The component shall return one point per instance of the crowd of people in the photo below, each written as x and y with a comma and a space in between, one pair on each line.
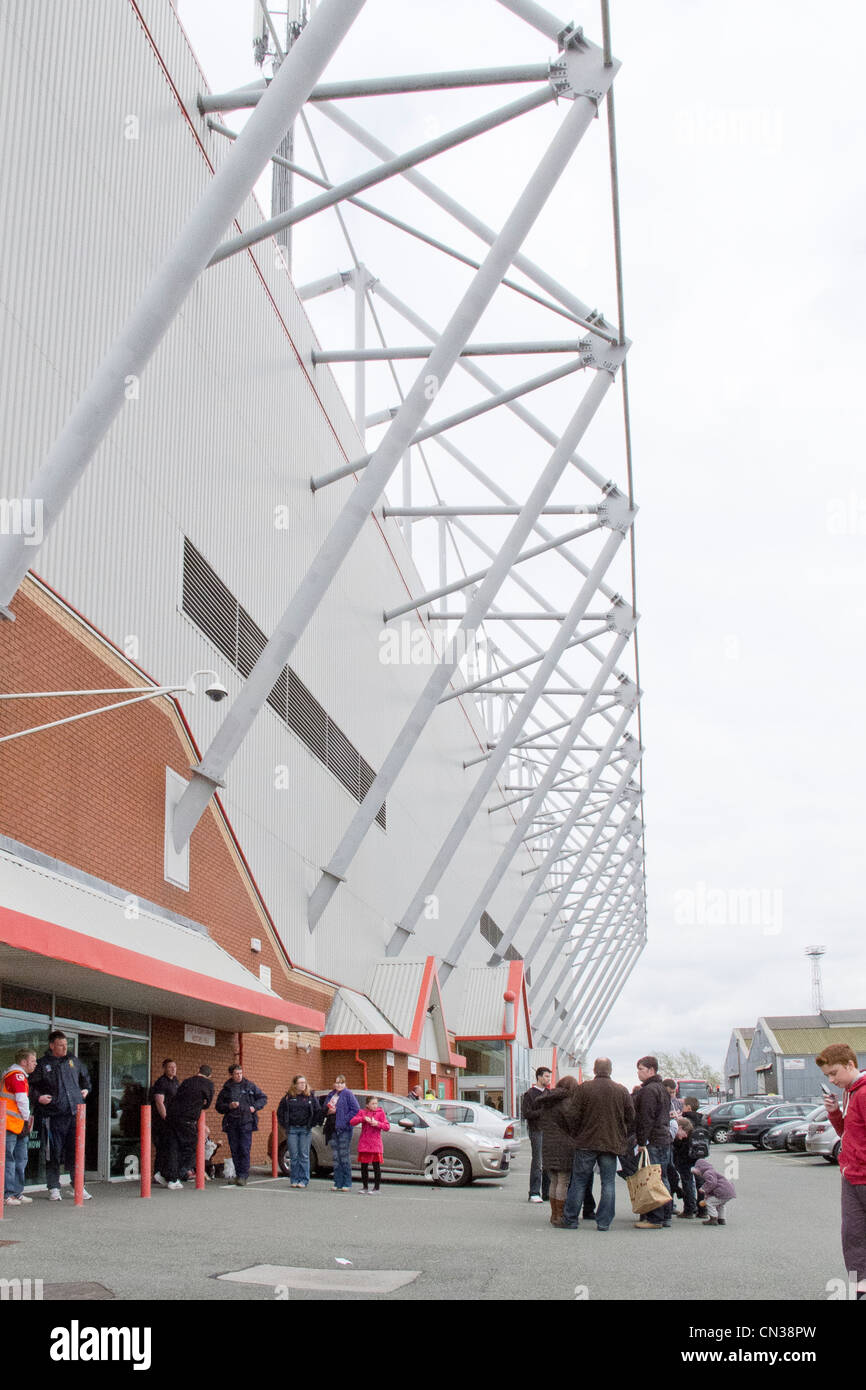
576, 1129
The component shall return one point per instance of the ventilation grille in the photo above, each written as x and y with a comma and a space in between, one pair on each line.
491, 933
215, 610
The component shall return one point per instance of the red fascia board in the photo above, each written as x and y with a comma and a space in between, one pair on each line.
423, 1001
371, 1042
38, 937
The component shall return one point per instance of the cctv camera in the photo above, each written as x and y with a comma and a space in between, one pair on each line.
216, 692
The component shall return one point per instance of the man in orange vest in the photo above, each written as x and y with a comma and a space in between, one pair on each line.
15, 1090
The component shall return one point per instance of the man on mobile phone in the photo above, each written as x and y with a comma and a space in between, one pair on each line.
838, 1062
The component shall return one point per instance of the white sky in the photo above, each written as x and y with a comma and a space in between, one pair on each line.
740, 134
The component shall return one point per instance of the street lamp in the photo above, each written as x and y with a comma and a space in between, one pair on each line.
215, 691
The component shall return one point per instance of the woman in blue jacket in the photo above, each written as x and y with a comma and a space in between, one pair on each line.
298, 1112
340, 1105
239, 1102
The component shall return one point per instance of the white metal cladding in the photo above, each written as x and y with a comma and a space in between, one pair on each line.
474, 1000
224, 412
352, 1012
223, 433
395, 987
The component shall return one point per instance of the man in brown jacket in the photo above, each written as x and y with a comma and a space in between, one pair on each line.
600, 1121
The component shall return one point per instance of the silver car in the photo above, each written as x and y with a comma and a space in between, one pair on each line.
821, 1138
470, 1114
422, 1143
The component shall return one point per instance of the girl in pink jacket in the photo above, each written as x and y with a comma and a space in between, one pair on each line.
373, 1122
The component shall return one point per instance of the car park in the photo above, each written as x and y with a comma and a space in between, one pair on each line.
471, 1114
821, 1138
719, 1119
421, 1143
753, 1128
789, 1136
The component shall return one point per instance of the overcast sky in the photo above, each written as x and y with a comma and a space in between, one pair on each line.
740, 134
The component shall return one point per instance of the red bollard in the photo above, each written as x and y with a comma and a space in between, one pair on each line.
3, 1158
275, 1144
78, 1181
146, 1156
199, 1152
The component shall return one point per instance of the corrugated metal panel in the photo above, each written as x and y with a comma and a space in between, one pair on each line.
795, 1042
483, 1007
395, 986
352, 1012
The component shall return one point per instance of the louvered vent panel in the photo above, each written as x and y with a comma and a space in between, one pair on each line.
209, 603
306, 717
215, 610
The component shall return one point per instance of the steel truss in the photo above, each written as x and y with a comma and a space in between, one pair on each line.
574, 822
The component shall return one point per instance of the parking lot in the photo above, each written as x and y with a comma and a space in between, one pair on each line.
416, 1241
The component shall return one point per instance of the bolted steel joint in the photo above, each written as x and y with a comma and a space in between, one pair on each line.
579, 70
615, 512
628, 694
631, 749
603, 355
621, 618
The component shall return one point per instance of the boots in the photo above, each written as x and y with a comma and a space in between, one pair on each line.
556, 1210
711, 1221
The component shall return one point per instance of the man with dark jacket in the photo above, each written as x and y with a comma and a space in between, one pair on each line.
599, 1120
653, 1132
539, 1176
239, 1102
688, 1148
193, 1096
162, 1092
58, 1086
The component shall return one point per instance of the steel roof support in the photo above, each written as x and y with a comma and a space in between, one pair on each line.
458, 418
241, 98
632, 947
568, 825
537, 16
485, 681
398, 164
406, 354
452, 956
140, 336
596, 1022
488, 774
363, 498
611, 935
442, 673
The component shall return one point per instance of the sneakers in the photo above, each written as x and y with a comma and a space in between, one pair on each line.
536, 1198
88, 1196
686, 1215
176, 1186
365, 1191
54, 1194
159, 1180
13, 1201
23, 1199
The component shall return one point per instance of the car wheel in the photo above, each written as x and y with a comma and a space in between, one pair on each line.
314, 1163
452, 1168
762, 1143
834, 1156
721, 1136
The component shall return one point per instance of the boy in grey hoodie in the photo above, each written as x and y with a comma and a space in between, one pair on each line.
715, 1190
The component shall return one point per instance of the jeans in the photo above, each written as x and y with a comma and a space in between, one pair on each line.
58, 1139
582, 1169
299, 1138
660, 1153
690, 1192
539, 1178
342, 1146
240, 1139
854, 1228
16, 1162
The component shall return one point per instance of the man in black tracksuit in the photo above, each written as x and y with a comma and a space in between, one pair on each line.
239, 1102
652, 1107
58, 1086
162, 1092
193, 1096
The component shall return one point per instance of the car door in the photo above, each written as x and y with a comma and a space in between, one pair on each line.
403, 1149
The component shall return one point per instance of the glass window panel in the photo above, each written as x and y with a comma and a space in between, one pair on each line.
28, 1001
129, 1085
82, 1011
483, 1057
15, 1033
130, 1022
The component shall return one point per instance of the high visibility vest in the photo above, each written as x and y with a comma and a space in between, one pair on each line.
14, 1122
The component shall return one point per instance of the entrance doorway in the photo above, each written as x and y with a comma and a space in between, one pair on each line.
92, 1051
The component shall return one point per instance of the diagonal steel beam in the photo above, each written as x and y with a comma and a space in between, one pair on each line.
609, 925
143, 331
240, 98
442, 673
363, 498
489, 772
398, 164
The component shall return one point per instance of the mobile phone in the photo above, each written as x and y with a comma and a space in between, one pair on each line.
826, 1089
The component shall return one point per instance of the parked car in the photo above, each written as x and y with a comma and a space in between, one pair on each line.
720, 1118
790, 1134
821, 1138
482, 1117
754, 1127
420, 1142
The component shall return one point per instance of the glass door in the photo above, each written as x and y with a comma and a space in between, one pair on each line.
129, 1087
92, 1051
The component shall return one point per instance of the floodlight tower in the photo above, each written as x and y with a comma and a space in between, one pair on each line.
815, 953
267, 44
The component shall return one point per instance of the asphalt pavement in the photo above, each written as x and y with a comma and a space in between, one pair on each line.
268, 1241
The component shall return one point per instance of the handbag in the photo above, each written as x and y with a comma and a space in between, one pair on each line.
645, 1187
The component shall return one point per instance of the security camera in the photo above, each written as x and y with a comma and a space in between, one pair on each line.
216, 692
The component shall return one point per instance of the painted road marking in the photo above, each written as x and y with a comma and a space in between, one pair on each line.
369, 1281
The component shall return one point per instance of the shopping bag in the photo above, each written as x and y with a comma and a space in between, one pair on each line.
645, 1187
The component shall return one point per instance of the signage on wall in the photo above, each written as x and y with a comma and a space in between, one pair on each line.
794, 1063
204, 1037
389, 1059
433, 1068
414, 1063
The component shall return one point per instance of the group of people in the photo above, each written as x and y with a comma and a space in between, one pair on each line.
339, 1113
577, 1128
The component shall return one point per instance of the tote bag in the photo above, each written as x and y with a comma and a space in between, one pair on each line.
645, 1187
